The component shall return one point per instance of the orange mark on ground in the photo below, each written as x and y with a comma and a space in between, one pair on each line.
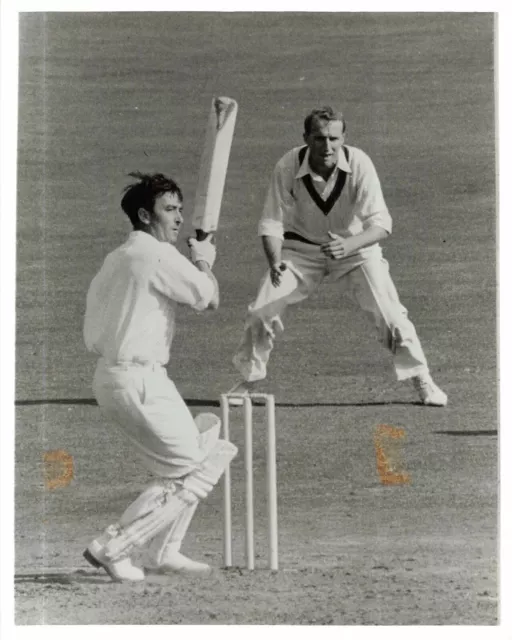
388, 455
58, 468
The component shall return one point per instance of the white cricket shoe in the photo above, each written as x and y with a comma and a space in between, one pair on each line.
177, 562
430, 394
244, 388
120, 570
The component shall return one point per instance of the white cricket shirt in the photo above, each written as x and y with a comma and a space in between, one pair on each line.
290, 205
132, 301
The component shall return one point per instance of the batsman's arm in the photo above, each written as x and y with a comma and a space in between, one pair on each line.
185, 281
205, 268
202, 255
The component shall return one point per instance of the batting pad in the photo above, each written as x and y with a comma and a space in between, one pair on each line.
144, 504
201, 481
208, 425
169, 505
149, 525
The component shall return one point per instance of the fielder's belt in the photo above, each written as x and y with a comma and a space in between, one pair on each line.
291, 235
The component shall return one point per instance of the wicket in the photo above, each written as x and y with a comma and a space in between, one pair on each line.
271, 476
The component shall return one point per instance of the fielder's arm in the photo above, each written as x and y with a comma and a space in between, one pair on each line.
279, 200
272, 247
339, 247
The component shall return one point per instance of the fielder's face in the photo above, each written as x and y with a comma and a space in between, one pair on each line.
324, 141
167, 217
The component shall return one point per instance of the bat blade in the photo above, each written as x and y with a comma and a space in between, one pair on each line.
214, 165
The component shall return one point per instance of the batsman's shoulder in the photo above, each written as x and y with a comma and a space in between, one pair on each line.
165, 256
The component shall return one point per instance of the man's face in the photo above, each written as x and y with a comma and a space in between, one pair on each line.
324, 142
167, 217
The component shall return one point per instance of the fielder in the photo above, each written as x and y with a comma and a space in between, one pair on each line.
129, 324
323, 219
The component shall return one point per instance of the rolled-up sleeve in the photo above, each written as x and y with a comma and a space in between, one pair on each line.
370, 204
279, 199
177, 278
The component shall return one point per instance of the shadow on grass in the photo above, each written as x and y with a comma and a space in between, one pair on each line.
83, 576
483, 432
197, 402
29, 403
66, 576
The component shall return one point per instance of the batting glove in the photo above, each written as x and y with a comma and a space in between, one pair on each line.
203, 250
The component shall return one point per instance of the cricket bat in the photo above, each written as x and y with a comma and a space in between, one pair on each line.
214, 166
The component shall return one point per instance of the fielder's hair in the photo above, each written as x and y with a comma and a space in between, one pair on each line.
142, 194
323, 113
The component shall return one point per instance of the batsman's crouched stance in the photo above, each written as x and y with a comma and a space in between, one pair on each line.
186, 454
129, 324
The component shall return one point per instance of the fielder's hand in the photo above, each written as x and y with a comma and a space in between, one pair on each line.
202, 250
338, 247
276, 273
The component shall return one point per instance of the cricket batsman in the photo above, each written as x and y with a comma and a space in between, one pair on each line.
323, 220
129, 323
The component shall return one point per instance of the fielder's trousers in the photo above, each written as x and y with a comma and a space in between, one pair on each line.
365, 279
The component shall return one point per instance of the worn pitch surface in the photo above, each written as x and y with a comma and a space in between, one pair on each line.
105, 94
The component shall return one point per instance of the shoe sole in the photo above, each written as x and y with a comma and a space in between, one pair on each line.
92, 560
99, 565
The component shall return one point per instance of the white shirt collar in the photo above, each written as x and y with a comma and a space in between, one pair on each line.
136, 235
304, 168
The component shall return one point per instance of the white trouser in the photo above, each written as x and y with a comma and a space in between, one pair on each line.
145, 404
366, 280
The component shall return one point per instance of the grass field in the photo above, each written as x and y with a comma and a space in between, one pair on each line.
105, 94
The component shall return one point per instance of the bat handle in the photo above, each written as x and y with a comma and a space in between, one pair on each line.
202, 235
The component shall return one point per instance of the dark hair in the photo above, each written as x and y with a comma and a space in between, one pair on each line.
142, 194
323, 113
